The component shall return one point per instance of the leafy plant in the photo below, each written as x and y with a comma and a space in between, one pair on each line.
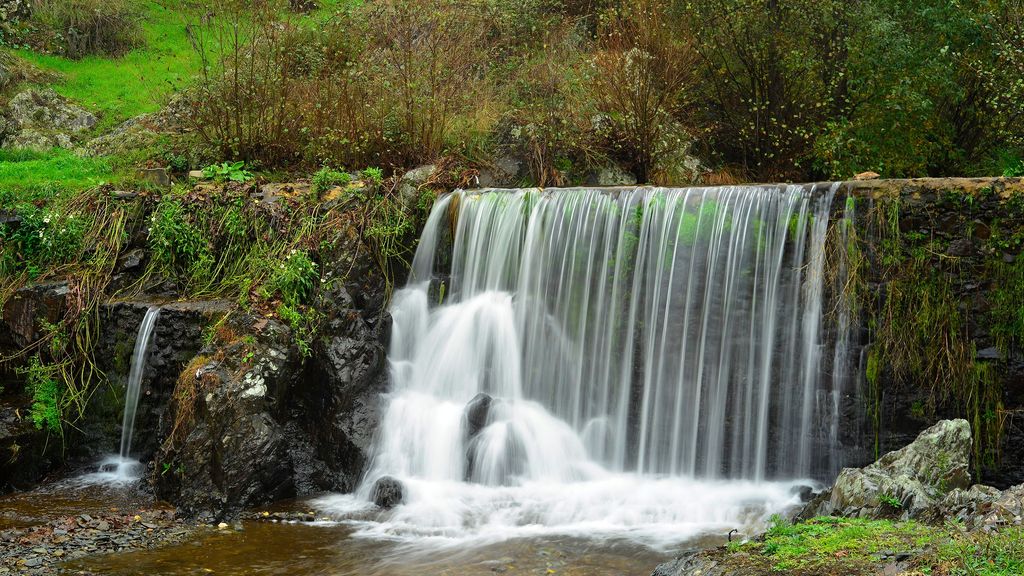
302, 326
891, 501
41, 384
327, 178
1014, 170
295, 278
373, 175
228, 171
177, 245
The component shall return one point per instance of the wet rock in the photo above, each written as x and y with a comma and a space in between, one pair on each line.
388, 492
692, 564
918, 476
505, 172
961, 247
411, 181
131, 260
806, 493
476, 414
24, 311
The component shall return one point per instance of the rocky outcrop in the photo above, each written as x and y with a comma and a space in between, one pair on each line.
906, 483
256, 421
21, 315
41, 119
692, 564
142, 131
225, 445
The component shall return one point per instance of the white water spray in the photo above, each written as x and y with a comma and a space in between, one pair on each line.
647, 360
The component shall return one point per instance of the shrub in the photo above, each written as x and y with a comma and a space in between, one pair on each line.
92, 27
550, 123
44, 237
645, 71
764, 94
428, 70
243, 104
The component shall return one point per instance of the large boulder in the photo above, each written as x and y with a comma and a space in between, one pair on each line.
477, 414
906, 483
41, 119
269, 421
226, 446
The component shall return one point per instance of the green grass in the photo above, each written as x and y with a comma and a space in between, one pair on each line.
28, 175
844, 541
137, 83
845, 546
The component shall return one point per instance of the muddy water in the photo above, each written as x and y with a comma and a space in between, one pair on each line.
272, 549
47, 503
314, 548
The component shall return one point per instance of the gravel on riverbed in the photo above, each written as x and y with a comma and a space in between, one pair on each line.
43, 549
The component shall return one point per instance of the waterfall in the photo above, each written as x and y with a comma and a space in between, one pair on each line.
588, 359
122, 468
138, 366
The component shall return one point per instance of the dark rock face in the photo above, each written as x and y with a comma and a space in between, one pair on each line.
232, 452
176, 338
477, 411
388, 492
268, 423
23, 312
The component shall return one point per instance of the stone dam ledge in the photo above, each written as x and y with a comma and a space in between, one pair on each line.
915, 188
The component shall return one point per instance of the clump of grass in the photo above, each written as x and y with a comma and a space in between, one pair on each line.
829, 545
838, 543
326, 178
91, 27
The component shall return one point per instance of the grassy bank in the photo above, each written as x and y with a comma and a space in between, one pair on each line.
830, 546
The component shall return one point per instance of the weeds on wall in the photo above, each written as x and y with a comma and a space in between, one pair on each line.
919, 327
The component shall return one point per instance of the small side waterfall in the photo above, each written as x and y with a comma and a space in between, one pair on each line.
645, 362
138, 365
122, 467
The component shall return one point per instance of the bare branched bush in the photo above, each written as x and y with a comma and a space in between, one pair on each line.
91, 27
646, 67
430, 53
243, 104
550, 124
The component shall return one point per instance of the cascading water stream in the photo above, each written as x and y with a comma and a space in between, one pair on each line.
123, 467
138, 365
633, 363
